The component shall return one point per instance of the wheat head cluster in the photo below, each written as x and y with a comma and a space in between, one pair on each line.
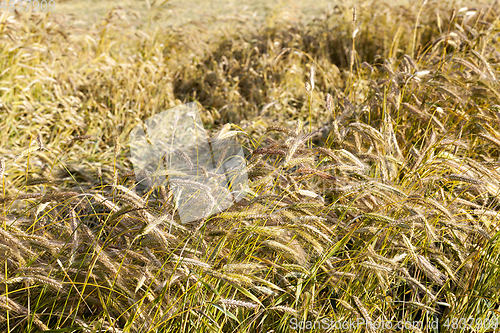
372, 143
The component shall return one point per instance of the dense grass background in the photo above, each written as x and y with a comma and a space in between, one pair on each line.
382, 205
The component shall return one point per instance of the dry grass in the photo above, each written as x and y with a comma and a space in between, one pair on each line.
373, 191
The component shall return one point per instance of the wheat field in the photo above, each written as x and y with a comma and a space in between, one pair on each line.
371, 134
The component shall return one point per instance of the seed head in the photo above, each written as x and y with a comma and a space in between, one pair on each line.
307, 86
238, 304
367, 65
329, 102
2, 167
79, 138
311, 77
453, 13
39, 140
354, 14
117, 147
